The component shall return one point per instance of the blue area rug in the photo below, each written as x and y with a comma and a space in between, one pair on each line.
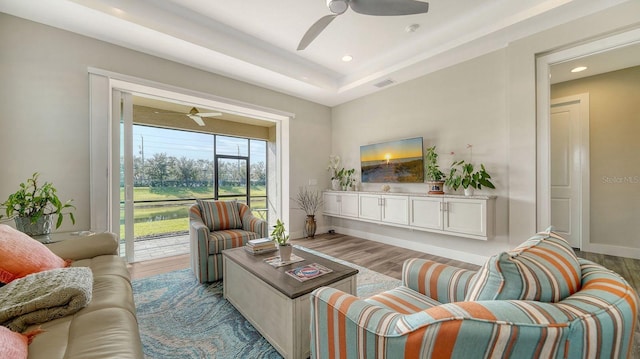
181, 318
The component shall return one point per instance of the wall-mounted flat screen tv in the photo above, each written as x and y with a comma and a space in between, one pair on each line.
391, 162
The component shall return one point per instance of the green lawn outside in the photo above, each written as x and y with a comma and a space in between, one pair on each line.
164, 218
167, 193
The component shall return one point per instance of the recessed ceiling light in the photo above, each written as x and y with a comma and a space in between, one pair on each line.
579, 69
347, 58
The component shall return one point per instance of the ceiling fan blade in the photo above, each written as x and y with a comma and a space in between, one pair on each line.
197, 119
209, 114
315, 30
389, 7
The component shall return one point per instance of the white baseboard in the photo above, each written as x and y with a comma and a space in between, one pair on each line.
420, 247
612, 250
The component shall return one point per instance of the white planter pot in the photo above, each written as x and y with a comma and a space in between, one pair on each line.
285, 252
335, 185
468, 191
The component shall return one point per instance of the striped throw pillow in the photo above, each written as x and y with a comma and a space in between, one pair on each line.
220, 215
544, 268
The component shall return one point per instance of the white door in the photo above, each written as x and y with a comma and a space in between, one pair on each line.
123, 118
426, 212
566, 171
468, 216
395, 209
349, 204
369, 207
331, 203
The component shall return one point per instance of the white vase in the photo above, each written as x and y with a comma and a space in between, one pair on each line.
285, 252
468, 191
335, 185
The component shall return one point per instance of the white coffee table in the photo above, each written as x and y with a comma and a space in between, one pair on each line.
276, 304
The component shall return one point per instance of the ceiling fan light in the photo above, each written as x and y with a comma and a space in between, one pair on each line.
337, 6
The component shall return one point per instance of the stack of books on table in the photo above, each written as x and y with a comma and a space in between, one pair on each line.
260, 245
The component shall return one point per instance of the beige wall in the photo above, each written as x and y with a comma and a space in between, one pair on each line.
450, 108
614, 147
44, 109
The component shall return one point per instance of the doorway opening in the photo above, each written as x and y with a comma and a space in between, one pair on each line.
608, 209
111, 137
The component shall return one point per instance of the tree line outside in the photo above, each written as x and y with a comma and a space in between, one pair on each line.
165, 187
162, 170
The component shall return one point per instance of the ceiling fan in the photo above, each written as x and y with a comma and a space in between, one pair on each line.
197, 116
365, 7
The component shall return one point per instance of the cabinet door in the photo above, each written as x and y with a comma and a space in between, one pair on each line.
425, 212
369, 206
395, 209
466, 216
349, 204
331, 203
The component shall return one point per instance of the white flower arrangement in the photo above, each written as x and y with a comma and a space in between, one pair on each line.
334, 163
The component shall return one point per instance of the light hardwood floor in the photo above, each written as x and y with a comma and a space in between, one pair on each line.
380, 257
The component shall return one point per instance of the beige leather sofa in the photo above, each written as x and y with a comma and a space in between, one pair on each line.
107, 327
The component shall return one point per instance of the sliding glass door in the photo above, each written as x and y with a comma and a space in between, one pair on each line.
164, 170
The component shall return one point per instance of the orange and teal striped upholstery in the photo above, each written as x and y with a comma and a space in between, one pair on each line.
543, 268
206, 246
598, 321
441, 282
220, 215
252, 223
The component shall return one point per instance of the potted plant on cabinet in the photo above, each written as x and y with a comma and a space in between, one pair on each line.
279, 236
309, 201
33, 207
334, 162
462, 174
434, 176
345, 178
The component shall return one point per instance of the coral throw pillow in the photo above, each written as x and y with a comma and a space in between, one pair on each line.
21, 255
544, 268
13, 345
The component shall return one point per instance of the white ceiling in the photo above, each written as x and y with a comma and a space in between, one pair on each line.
255, 40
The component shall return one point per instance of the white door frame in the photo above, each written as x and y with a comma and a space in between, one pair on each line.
543, 118
104, 156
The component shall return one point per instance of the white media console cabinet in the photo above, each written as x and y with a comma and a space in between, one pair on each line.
463, 216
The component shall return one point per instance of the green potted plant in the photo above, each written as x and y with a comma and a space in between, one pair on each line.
462, 174
309, 201
434, 176
345, 178
279, 236
33, 207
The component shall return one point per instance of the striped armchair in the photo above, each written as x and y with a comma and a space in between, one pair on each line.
215, 226
432, 315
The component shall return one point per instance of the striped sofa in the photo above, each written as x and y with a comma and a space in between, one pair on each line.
215, 226
536, 301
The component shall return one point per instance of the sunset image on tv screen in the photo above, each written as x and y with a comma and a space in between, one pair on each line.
396, 161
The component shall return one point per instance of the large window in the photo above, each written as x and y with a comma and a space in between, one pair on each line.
172, 168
